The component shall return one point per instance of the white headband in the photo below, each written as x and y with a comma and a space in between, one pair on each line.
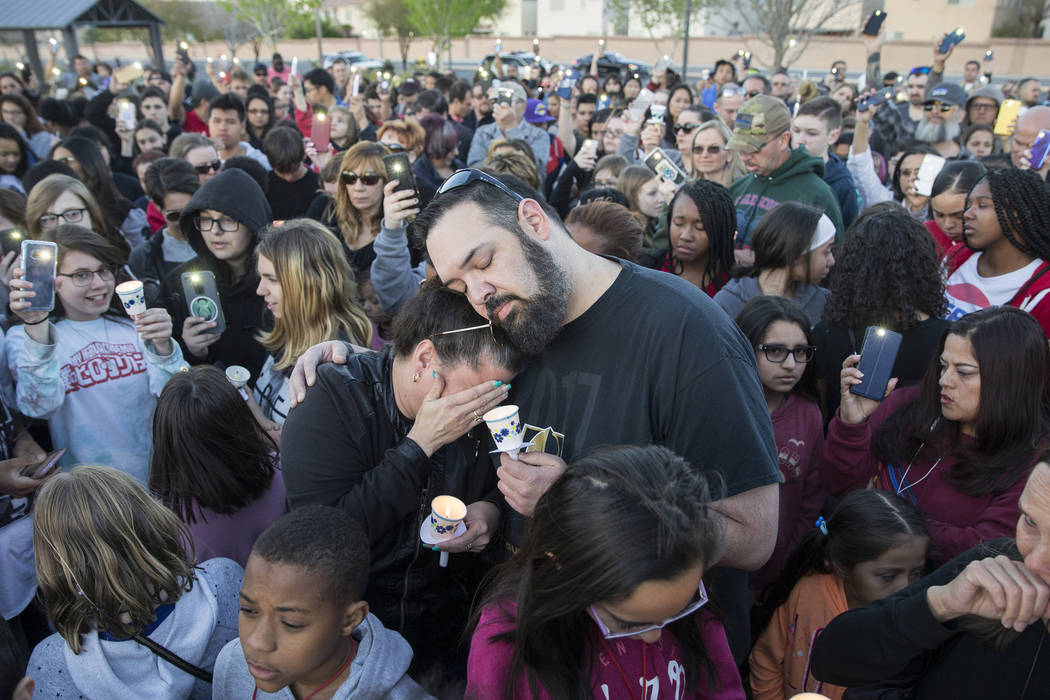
824, 233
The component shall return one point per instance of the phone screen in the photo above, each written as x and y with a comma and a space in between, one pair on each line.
11, 240
321, 131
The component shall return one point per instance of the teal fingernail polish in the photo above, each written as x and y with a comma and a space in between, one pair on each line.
496, 383
433, 374
435, 549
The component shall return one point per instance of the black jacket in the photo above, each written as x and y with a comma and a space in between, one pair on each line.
236, 194
346, 446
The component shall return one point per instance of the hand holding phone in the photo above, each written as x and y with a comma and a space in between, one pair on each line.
664, 167
1038, 152
1007, 119
951, 40
39, 260
871, 377
45, 467
874, 24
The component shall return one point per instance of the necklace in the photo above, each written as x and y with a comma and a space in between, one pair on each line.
349, 658
1031, 670
623, 674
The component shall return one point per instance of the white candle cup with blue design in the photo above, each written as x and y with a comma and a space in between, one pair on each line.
239, 377
507, 428
133, 297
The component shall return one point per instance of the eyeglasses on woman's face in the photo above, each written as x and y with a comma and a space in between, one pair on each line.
778, 353
207, 223
82, 278
70, 216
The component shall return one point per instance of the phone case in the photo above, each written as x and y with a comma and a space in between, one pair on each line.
1039, 149
640, 105
398, 168
126, 115
202, 298
874, 23
11, 240
951, 40
45, 466
1005, 122
321, 131
659, 163
928, 170
877, 356
39, 259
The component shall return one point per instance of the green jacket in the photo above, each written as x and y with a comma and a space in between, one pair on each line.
799, 179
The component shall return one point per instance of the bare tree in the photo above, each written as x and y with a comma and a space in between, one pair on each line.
662, 19
787, 26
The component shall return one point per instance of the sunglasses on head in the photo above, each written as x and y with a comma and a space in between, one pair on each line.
349, 177
919, 70
462, 178
205, 168
943, 107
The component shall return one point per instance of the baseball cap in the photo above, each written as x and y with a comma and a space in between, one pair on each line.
203, 90
946, 93
989, 92
760, 118
536, 112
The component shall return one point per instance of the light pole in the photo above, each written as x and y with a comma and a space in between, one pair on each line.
685, 48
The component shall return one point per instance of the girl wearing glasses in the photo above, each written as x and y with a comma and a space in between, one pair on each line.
792, 245
710, 159
961, 444
359, 202
872, 546
779, 332
61, 199
85, 364
260, 118
605, 598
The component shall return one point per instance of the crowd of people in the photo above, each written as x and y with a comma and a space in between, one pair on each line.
258, 328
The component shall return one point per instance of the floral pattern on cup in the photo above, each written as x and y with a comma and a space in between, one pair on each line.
512, 429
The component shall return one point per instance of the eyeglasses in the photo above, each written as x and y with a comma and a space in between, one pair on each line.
687, 128
731, 91
711, 150
943, 107
258, 112
70, 216
394, 147
613, 133
173, 215
67, 159
919, 70
205, 168
699, 602
462, 178
349, 177
981, 106
492, 331
779, 353
82, 278
206, 223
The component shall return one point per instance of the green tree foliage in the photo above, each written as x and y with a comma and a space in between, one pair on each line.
270, 18
445, 20
391, 18
662, 19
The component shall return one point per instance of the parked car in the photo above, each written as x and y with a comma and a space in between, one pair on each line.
614, 63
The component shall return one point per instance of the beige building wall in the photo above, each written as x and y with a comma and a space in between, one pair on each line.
921, 20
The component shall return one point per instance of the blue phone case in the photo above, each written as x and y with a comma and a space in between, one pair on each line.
877, 356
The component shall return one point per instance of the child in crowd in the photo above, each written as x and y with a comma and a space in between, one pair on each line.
779, 332
873, 545
605, 599
214, 465
382, 321
87, 368
15, 158
304, 628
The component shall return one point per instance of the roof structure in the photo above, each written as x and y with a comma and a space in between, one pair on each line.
57, 14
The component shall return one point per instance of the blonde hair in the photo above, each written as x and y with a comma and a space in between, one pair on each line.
44, 194
406, 130
105, 551
513, 162
734, 166
362, 157
318, 292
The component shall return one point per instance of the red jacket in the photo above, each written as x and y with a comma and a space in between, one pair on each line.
957, 521
1031, 297
945, 246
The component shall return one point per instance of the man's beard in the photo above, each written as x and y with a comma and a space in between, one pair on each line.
937, 132
536, 320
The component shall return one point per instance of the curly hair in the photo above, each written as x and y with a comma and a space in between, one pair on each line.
1022, 205
887, 273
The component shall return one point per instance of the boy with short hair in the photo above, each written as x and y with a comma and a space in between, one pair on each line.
304, 630
816, 127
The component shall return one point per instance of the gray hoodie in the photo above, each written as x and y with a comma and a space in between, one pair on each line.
739, 291
378, 670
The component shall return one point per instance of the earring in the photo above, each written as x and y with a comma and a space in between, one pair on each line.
415, 377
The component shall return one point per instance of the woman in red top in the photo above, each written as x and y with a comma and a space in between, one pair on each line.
701, 225
960, 445
948, 202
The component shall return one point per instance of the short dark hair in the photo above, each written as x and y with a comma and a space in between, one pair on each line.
972, 62
587, 98
81, 56
782, 236
825, 109
153, 91
326, 543
766, 87
459, 90
432, 101
437, 309
443, 84
227, 101
170, 175
284, 148
13, 206
251, 166
319, 77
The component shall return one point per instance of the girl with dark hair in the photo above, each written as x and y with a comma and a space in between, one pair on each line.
606, 598
258, 109
792, 245
87, 368
119, 214
383, 435
1007, 254
960, 445
344, 132
904, 177
888, 275
149, 136
439, 157
14, 158
681, 97
213, 465
784, 348
948, 202
872, 546
979, 140
701, 224
19, 113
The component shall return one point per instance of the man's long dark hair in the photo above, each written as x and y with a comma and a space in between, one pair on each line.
1013, 416
616, 519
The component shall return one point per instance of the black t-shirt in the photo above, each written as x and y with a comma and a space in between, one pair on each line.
656, 361
834, 345
290, 200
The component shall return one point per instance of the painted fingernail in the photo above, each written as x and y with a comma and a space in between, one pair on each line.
435, 549
506, 387
433, 374
497, 383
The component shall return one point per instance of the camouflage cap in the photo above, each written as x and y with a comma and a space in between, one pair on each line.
759, 119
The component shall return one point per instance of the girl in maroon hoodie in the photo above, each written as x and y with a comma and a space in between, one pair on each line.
605, 598
961, 444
